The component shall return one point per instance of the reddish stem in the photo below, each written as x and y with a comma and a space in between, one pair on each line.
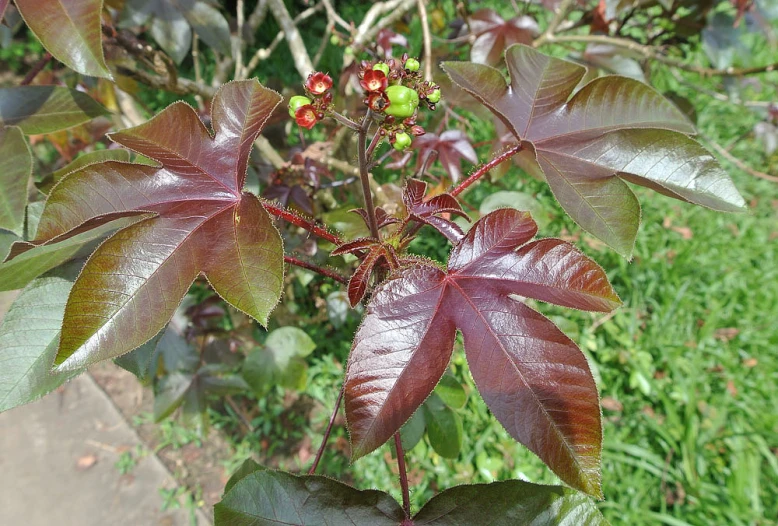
310, 226
320, 270
37, 68
398, 444
507, 154
326, 434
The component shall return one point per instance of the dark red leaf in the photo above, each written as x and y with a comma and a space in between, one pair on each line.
426, 211
357, 285
613, 129
494, 34
202, 222
381, 216
452, 146
534, 379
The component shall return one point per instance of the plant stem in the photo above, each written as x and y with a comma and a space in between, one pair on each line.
326, 433
302, 222
373, 144
403, 475
315, 268
345, 121
363, 175
461, 187
37, 68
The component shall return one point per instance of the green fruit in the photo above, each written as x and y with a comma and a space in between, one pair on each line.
402, 101
382, 67
401, 141
434, 97
297, 102
412, 64
335, 40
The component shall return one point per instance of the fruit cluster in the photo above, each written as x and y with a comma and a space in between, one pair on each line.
394, 88
393, 91
310, 109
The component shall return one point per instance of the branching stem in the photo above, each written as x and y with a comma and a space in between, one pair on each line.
302, 222
504, 156
363, 174
327, 432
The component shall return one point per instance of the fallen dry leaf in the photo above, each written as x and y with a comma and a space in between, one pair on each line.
85, 462
750, 362
726, 334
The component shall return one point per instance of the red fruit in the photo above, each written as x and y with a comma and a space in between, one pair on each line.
374, 80
306, 116
318, 83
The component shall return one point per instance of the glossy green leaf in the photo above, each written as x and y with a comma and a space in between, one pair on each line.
248, 467
203, 222
29, 336
444, 427
273, 497
26, 265
451, 392
15, 172
286, 342
612, 129
280, 361
69, 30
412, 431
509, 503
46, 109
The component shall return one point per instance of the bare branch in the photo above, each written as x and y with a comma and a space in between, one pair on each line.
302, 61
650, 52
425, 29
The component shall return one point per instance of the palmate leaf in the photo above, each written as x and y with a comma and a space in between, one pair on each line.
29, 336
494, 34
134, 281
257, 496
613, 129
70, 31
172, 21
46, 109
534, 378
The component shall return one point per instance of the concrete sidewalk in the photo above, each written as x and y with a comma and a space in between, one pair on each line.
57, 465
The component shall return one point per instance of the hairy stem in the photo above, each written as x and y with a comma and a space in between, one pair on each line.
327, 432
345, 121
315, 268
398, 444
363, 175
504, 156
297, 220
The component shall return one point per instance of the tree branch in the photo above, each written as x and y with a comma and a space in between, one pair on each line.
302, 61
398, 444
740, 164
427, 39
649, 52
